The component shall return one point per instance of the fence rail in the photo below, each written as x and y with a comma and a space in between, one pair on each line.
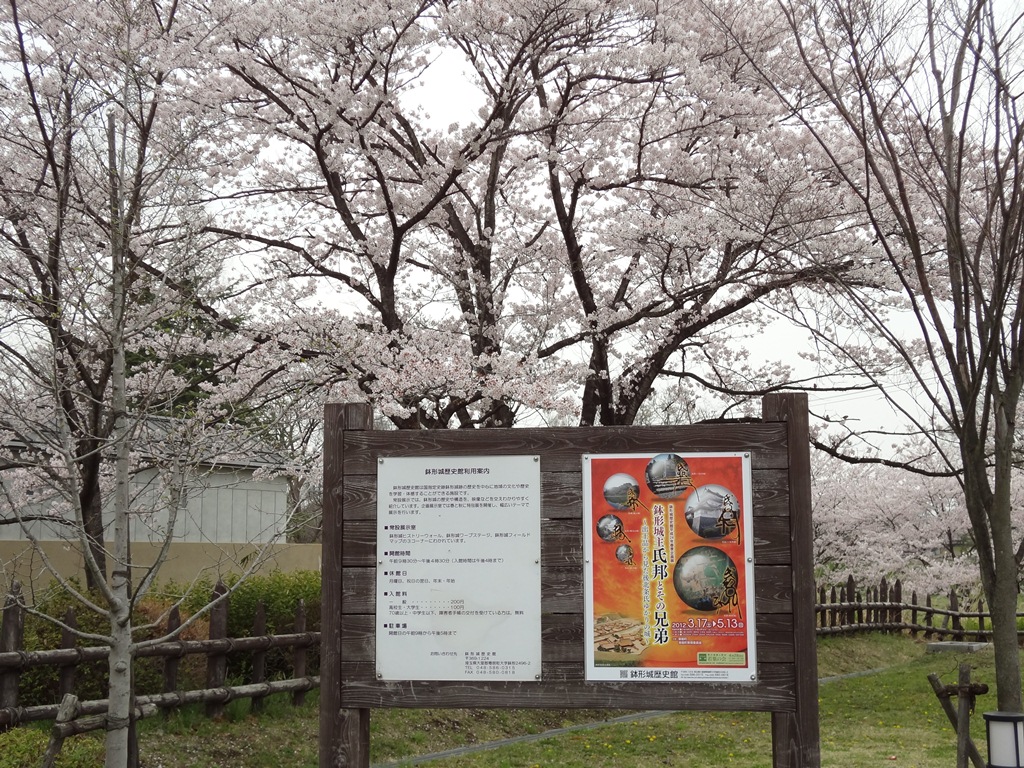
91, 715
60, 657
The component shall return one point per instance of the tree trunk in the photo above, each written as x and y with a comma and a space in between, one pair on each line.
119, 691
92, 518
987, 497
119, 597
1003, 592
1003, 607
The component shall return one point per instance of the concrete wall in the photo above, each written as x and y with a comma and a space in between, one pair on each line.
185, 562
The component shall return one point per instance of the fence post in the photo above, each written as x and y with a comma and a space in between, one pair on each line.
66, 713
171, 663
928, 633
882, 612
259, 658
954, 608
942, 693
981, 620
913, 614
299, 654
12, 638
851, 590
896, 615
832, 614
68, 639
217, 663
965, 705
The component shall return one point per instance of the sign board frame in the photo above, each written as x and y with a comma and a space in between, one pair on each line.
784, 597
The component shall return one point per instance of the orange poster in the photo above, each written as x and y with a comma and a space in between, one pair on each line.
668, 567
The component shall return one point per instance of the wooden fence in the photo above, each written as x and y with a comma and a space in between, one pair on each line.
840, 609
90, 715
847, 609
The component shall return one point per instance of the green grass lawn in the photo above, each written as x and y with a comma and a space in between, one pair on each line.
888, 717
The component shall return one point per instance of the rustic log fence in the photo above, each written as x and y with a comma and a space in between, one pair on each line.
90, 715
848, 609
840, 609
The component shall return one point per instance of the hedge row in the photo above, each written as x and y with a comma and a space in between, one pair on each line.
279, 591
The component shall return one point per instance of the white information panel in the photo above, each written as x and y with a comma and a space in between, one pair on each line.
458, 568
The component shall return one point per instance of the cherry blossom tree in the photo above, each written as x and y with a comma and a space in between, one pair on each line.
682, 206
619, 195
359, 183
918, 107
874, 521
107, 283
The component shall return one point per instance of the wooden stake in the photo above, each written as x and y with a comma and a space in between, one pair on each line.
943, 693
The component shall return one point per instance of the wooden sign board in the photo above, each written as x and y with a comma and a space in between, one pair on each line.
785, 680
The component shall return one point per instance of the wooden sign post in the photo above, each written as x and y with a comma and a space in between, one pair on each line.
503, 509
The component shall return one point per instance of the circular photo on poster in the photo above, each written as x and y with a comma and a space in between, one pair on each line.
624, 554
712, 511
705, 579
622, 491
668, 476
609, 528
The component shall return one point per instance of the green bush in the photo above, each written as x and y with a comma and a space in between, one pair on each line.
280, 592
41, 685
24, 747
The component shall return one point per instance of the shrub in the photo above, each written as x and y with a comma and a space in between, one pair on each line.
280, 592
41, 685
